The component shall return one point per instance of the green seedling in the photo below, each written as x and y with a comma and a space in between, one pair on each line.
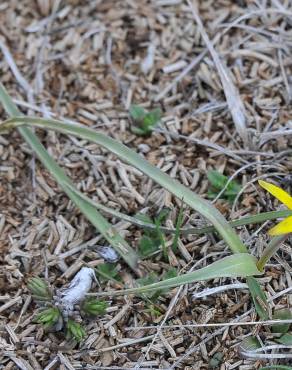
218, 183
216, 360
153, 310
249, 344
39, 289
285, 339
94, 307
153, 239
283, 314
48, 317
153, 278
107, 271
75, 331
144, 122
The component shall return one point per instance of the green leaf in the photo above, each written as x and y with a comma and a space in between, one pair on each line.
153, 310
89, 211
144, 218
238, 265
152, 119
171, 273
285, 339
216, 360
218, 183
216, 179
148, 246
259, 298
124, 153
178, 225
137, 113
138, 131
107, 271
162, 216
144, 121
249, 344
151, 278
283, 314
152, 239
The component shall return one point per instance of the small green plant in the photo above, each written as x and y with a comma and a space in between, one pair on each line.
75, 331
216, 360
153, 239
153, 278
153, 310
218, 183
94, 307
107, 271
144, 122
282, 314
48, 317
65, 303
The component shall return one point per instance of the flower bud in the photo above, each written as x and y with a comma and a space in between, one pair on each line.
39, 289
94, 307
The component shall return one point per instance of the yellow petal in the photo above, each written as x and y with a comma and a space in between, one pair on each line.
277, 192
284, 227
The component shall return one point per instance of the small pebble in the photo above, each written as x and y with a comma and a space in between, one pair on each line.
143, 148
108, 253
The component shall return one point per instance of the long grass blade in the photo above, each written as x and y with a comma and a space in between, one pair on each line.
180, 191
239, 265
273, 246
89, 211
247, 220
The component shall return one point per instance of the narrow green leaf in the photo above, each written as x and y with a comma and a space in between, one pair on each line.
259, 298
276, 367
147, 223
89, 211
193, 200
239, 265
273, 246
179, 222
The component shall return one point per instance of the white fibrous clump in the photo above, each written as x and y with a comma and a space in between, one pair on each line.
108, 253
67, 298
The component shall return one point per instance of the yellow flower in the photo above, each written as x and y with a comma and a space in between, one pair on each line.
285, 226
